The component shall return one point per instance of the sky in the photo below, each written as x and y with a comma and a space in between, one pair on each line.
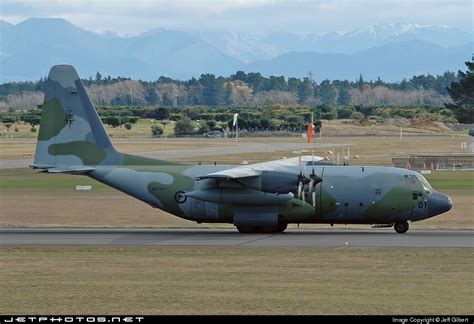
251, 16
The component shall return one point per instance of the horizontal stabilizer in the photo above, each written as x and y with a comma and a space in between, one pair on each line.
73, 169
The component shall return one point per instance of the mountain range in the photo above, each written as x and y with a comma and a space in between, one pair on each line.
389, 51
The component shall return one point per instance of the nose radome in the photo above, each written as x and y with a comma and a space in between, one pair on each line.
438, 203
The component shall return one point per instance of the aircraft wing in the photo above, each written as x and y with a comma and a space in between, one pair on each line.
255, 170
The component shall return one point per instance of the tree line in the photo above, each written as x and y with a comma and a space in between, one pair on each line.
122, 100
190, 120
248, 89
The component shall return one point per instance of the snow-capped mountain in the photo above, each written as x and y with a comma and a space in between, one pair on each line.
28, 49
249, 48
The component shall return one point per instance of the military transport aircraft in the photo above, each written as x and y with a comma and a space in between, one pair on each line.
257, 198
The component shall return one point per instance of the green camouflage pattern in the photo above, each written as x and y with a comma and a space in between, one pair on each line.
73, 140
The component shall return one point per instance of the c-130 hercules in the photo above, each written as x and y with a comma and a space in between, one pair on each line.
258, 198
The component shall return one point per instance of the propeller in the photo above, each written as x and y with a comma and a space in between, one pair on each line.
310, 182
302, 180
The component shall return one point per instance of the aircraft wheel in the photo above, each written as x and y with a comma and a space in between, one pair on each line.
246, 229
401, 227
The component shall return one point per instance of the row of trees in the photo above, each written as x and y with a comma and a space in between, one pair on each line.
201, 119
249, 89
211, 98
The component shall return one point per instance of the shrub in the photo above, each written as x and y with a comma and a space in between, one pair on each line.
329, 115
203, 127
344, 112
184, 126
113, 121
128, 125
357, 115
156, 130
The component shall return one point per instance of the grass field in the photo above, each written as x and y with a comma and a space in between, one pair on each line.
141, 129
331, 128
370, 150
41, 200
375, 144
223, 280
22, 148
236, 281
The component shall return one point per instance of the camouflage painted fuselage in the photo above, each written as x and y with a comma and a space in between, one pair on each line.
73, 140
372, 195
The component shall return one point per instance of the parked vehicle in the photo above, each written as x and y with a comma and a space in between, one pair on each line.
213, 134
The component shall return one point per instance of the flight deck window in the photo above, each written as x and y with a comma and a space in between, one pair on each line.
415, 196
413, 182
378, 191
423, 181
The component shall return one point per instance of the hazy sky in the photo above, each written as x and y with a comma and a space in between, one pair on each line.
316, 16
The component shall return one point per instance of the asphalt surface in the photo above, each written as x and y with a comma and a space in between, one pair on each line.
372, 238
234, 148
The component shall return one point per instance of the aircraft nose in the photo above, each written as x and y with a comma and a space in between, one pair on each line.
438, 203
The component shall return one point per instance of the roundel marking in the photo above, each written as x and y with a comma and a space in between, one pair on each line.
180, 197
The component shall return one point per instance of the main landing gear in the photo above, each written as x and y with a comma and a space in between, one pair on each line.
401, 227
262, 230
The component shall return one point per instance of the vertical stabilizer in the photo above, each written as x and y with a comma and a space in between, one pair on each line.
71, 132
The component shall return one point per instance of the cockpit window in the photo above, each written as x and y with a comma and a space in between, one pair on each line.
423, 181
412, 181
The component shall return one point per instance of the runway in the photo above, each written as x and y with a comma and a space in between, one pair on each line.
373, 238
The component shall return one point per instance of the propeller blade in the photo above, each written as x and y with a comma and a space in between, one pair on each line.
313, 194
300, 188
311, 186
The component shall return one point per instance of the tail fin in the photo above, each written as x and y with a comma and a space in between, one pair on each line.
71, 132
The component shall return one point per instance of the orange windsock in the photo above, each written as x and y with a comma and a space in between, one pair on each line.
424, 166
310, 132
432, 166
408, 166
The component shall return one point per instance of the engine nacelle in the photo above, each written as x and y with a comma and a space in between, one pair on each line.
239, 196
278, 182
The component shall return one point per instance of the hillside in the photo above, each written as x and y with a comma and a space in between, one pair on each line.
389, 51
